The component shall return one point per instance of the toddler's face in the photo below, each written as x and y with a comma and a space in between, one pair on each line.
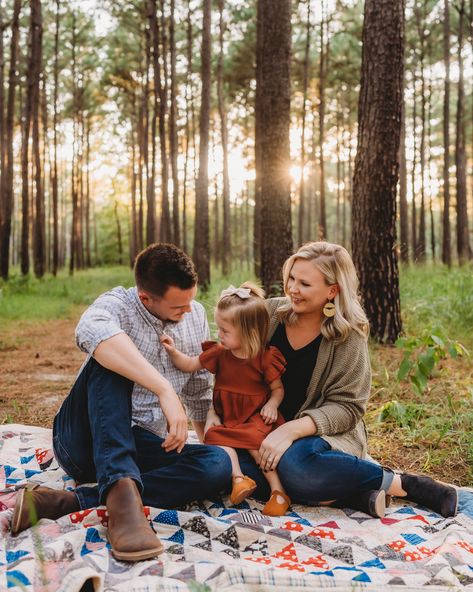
228, 334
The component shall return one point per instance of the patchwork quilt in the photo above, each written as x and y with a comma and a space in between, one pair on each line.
215, 546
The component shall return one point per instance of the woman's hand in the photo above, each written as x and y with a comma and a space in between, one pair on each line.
275, 445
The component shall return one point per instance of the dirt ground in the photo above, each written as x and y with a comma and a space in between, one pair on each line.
38, 364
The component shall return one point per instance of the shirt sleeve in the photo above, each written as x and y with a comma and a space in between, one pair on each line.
103, 319
197, 392
274, 364
346, 391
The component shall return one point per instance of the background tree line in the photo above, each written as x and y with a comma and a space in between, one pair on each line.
230, 128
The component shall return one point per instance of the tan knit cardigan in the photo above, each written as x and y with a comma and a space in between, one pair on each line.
338, 391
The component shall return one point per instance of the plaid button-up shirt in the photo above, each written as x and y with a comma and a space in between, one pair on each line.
121, 311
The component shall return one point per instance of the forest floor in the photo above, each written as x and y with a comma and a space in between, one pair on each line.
428, 432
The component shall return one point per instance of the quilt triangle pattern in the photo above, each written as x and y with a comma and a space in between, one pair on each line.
216, 546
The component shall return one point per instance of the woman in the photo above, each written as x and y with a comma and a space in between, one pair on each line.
320, 452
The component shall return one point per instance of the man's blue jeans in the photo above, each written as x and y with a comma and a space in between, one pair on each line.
311, 472
93, 442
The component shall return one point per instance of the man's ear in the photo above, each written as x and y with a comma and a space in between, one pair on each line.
143, 296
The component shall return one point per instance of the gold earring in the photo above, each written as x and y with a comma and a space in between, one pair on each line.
329, 309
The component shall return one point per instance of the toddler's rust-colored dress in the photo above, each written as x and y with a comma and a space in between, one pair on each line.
241, 390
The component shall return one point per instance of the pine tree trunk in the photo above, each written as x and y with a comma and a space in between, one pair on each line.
225, 250
403, 207
302, 234
413, 172
274, 114
54, 176
189, 100
162, 88
173, 140
322, 230
7, 178
152, 41
420, 18
2, 115
258, 140
446, 238
376, 166
201, 235
39, 252
463, 241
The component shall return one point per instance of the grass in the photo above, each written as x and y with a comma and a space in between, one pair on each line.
428, 431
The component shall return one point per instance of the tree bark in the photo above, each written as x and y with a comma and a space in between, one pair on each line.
39, 251
225, 250
463, 240
274, 120
7, 178
376, 166
173, 140
201, 234
446, 238
54, 176
403, 207
302, 234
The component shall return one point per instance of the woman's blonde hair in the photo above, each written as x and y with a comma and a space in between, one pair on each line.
248, 314
335, 264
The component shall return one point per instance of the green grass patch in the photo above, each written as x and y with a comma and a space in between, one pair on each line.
439, 300
27, 298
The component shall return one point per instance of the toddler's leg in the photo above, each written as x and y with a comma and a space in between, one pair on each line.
242, 486
279, 501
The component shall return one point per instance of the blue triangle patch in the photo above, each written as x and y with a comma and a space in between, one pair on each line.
177, 537
8, 470
362, 577
373, 563
13, 556
168, 517
30, 472
17, 578
26, 459
406, 510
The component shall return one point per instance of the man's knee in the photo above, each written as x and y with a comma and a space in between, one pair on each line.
217, 465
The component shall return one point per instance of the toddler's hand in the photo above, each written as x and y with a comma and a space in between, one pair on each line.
269, 413
168, 343
212, 420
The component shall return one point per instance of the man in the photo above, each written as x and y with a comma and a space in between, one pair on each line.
123, 425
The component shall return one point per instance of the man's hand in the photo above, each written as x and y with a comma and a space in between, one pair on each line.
176, 421
269, 413
168, 343
212, 420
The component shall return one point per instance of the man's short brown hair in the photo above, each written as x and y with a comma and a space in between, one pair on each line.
162, 265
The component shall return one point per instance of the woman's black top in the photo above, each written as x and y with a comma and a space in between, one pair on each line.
299, 369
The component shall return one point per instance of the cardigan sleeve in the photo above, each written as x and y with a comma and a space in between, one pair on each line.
345, 391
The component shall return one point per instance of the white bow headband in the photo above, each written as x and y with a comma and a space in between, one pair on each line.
242, 293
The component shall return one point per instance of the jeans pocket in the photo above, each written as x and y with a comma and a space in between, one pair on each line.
65, 461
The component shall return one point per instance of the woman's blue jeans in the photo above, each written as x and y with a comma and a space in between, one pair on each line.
94, 442
311, 472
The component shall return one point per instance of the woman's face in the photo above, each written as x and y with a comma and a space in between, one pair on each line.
307, 288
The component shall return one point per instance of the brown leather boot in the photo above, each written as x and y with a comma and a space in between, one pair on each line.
129, 532
36, 502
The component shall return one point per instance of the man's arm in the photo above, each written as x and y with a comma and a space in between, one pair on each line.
119, 354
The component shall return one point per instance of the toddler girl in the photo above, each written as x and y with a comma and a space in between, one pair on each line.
248, 388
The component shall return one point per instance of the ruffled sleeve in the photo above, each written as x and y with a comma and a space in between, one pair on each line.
211, 351
274, 364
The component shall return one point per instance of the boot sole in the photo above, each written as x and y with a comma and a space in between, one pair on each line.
133, 556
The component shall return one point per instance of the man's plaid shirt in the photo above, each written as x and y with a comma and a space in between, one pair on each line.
121, 311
